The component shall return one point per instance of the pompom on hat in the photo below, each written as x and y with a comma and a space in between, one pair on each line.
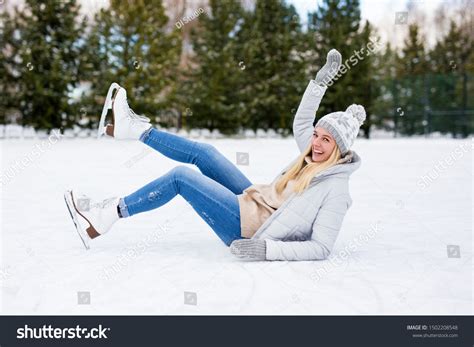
344, 126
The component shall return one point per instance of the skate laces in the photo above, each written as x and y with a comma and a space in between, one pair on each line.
136, 117
103, 204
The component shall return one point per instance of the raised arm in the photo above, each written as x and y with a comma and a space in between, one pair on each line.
304, 118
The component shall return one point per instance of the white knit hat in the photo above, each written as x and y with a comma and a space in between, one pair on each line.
344, 126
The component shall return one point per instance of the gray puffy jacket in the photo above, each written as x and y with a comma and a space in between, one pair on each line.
306, 225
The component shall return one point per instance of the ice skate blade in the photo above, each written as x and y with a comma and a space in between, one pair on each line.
114, 87
72, 211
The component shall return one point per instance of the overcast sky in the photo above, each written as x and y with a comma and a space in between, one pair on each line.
381, 13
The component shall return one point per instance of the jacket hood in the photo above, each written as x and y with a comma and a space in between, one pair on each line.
344, 167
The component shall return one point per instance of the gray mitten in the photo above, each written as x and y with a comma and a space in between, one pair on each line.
249, 249
330, 69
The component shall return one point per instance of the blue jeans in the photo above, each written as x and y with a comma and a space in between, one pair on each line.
212, 192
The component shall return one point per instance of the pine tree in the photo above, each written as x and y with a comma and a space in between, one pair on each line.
41, 45
410, 90
413, 60
130, 43
275, 74
7, 52
385, 71
449, 64
212, 85
364, 74
337, 24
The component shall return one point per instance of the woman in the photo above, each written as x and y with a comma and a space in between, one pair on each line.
296, 217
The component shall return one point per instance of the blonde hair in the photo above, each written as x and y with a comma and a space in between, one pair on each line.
304, 172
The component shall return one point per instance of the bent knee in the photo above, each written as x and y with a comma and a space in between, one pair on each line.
206, 148
182, 171
184, 176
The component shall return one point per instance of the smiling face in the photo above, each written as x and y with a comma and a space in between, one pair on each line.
322, 145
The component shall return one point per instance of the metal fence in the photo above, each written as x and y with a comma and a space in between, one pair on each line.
425, 104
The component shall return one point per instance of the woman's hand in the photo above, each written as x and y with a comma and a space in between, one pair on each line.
249, 249
330, 69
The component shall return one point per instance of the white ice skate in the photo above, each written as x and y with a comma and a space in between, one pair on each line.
91, 219
114, 87
126, 124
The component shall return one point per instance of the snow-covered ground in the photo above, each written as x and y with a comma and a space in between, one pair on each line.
408, 237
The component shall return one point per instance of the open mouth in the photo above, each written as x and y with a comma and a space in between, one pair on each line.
317, 152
